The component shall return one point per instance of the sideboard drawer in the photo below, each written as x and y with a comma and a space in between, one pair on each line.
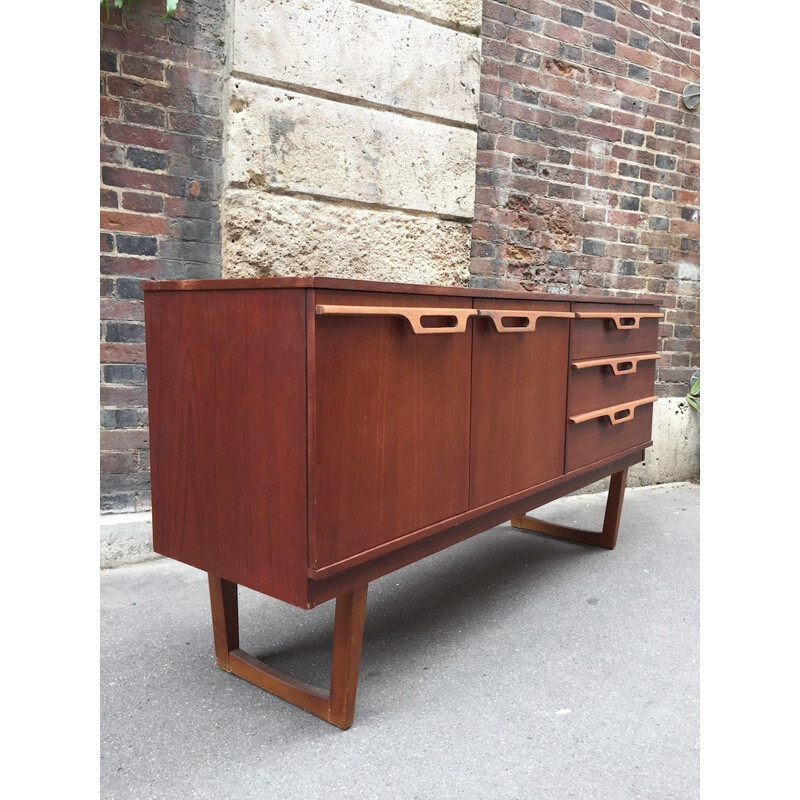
610, 380
607, 430
390, 417
608, 330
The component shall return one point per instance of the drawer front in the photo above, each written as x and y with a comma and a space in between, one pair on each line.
595, 439
519, 386
390, 399
603, 382
617, 330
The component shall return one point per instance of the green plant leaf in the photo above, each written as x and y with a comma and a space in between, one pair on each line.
693, 396
171, 6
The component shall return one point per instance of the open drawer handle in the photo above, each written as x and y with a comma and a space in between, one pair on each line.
623, 320
414, 316
623, 365
624, 412
529, 318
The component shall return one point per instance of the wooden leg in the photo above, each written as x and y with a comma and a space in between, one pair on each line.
224, 618
336, 706
606, 538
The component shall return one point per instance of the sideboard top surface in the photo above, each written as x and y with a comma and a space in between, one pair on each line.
379, 286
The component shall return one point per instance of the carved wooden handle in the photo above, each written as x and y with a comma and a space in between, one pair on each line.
624, 412
414, 316
623, 320
499, 317
624, 365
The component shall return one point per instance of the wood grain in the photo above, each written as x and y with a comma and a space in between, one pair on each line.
467, 525
599, 336
391, 426
226, 388
341, 284
598, 386
519, 385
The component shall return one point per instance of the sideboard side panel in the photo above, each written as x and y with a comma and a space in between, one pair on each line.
227, 396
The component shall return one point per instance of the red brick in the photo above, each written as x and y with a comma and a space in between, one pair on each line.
116, 463
129, 266
162, 96
117, 395
148, 68
108, 198
145, 203
139, 114
121, 309
122, 353
109, 108
144, 137
125, 439
599, 131
132, 223
138, 179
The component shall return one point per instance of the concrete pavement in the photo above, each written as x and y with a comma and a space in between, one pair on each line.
508, 666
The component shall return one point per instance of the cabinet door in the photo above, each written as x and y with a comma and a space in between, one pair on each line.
390, 437
519, 397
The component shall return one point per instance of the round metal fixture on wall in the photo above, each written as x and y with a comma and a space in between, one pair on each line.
691, 96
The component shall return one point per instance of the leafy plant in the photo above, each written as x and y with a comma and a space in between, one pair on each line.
693, 397
171, 5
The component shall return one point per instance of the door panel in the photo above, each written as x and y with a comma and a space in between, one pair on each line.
519, 391
390, 448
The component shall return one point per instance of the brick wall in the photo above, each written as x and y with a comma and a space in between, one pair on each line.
588, 163
587, 174
160, 165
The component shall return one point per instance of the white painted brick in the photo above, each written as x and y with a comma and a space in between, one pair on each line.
688, 272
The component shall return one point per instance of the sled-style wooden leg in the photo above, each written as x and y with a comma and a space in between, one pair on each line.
605, 538
336, 706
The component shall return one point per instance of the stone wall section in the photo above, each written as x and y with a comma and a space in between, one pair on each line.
351, 138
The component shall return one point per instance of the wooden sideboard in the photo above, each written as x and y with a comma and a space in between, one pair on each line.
309, 435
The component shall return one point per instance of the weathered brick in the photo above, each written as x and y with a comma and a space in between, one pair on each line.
665, 162
604, 45
139, 114
638, 73
132, 223
146, 159
108, 61
137, 245
593, 247
145, 203
108, 198
124, 332
149, 68
571, 17
124, 373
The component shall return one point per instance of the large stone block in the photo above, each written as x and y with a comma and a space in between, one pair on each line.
361, 52
266, 234
292, 141
464, 13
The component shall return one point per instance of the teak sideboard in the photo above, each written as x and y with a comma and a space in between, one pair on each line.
309, 435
